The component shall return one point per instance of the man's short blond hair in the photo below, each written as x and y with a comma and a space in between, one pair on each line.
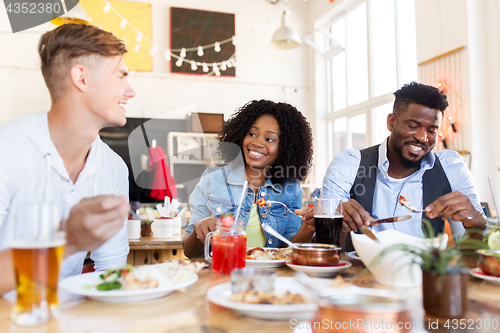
71, 44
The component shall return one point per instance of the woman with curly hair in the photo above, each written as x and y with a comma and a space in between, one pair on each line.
274, 142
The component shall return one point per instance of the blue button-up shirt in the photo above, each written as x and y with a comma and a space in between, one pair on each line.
342, 173
218, 193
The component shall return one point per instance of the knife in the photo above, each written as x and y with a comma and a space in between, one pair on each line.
392, 219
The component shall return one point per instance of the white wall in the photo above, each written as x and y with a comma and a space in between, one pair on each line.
441, 27
484, 55
445, 25
262, 72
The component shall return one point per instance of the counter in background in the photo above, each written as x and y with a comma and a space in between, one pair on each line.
150, 250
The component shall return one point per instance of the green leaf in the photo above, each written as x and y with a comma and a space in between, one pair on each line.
115, 285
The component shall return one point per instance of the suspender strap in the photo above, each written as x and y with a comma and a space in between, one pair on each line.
435, 185
364, 185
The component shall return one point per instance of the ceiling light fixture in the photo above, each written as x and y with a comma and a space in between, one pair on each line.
285, 37
76, 15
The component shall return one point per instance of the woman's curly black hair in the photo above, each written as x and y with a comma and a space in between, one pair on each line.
295, 141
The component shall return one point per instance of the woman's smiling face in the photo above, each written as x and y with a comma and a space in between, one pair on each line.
261, 144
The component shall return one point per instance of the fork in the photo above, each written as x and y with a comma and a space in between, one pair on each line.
277, 202
137, 216
412, 209
405, 203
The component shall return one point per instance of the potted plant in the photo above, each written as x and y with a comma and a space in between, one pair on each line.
444, 275
147, 215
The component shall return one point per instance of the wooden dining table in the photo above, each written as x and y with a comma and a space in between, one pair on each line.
187, 310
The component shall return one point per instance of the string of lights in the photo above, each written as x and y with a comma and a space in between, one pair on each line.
168, 54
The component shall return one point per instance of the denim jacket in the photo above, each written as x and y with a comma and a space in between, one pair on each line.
219, 190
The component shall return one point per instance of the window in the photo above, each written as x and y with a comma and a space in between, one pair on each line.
378, 56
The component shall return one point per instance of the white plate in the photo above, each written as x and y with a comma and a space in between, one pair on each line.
477, 272
264, 263
220, 294
353, 255
76, 285
320, 270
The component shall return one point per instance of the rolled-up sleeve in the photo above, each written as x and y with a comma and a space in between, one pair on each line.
460, 179
341, 174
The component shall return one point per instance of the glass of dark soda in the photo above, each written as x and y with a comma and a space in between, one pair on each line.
328, 218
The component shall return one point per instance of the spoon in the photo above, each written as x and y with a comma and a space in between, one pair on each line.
369, 233
273, 232
406, 203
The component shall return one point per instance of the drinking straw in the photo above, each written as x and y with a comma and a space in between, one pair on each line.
494, 196
243, 193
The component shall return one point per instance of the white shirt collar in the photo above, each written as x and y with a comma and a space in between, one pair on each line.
383, 163
42, 140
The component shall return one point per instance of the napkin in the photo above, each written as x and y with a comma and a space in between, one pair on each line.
397, 268
169, 209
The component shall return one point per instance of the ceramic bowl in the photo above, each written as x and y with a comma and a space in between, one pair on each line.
489, 262
311, 254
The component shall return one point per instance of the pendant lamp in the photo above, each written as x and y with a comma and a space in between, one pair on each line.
76, 15
285, 37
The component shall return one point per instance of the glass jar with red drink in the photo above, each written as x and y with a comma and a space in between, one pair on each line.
229, 245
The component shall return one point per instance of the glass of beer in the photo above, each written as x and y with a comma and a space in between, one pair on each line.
38, 248
328, 219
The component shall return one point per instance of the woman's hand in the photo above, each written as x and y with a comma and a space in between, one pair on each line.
306, 230
307, 217
204, 226
193, 243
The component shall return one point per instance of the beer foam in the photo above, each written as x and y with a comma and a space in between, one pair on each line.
329, 216
23, 244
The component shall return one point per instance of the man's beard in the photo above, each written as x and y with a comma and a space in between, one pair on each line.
409, 164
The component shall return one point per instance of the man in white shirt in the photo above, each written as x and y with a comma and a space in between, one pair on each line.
59, 157
371, 180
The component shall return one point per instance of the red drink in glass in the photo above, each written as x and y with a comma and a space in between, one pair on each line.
228, 253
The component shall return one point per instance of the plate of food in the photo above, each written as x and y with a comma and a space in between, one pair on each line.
353, 255
267, 256
478, 273
290, 300
133, 284
320, 270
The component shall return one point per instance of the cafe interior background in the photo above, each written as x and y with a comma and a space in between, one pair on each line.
353, 55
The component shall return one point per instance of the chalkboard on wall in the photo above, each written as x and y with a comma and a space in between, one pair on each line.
191, 28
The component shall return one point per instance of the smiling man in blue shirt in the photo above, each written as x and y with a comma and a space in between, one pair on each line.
371, 180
